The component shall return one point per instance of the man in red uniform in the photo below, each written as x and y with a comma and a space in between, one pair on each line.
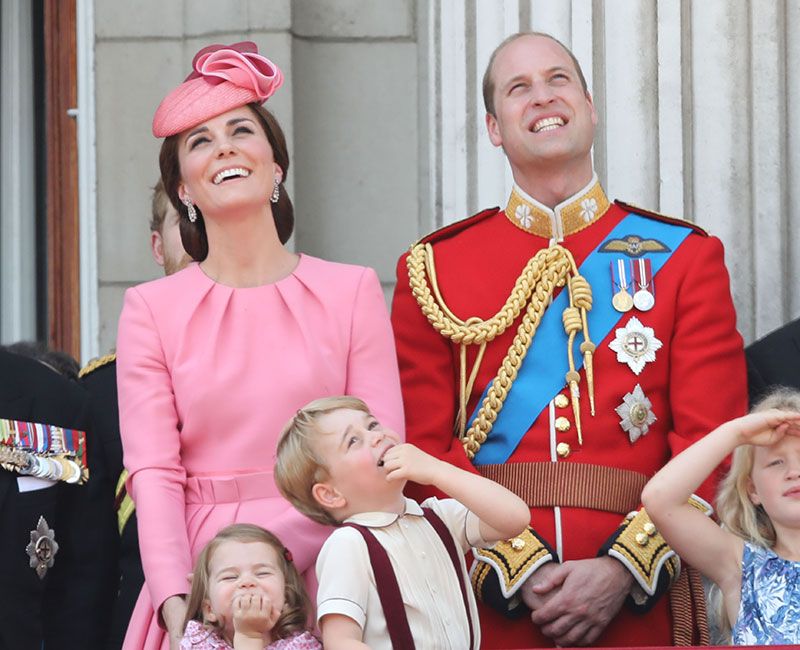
567, 347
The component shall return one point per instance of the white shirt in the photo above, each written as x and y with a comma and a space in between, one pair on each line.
431, 594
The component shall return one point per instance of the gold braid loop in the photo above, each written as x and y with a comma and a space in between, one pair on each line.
420, 265
548, 269
498, 390
572, 320
581, 292
582, 296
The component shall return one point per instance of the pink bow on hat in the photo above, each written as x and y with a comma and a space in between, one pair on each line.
223, 77
241, 64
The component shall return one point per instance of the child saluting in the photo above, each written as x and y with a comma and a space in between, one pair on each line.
338, 465
754, 558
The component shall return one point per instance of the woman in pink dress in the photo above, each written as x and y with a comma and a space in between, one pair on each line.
213, 360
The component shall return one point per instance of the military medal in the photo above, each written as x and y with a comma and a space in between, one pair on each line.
635, 345
644, 298
636, 412
622, 300
43, 451
75, 474
42, 548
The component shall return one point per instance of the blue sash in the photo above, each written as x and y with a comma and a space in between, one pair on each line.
542, 373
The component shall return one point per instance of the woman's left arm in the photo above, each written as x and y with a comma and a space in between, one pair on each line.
372, 373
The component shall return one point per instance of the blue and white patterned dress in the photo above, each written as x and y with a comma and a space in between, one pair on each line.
769, 612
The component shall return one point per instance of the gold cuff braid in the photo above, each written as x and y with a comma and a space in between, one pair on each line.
513, 561
547, 270
642, 549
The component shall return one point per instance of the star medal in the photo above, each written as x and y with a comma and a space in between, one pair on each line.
622, 300
636, 412
644, 297
42, 548
635, 345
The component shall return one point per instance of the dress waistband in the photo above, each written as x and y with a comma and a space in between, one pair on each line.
230, 489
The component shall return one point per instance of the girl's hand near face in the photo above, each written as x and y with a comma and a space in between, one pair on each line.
254, 616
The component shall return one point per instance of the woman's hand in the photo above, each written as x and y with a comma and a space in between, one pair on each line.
764, 428
173, 611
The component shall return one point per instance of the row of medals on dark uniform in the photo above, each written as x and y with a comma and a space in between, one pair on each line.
49, 453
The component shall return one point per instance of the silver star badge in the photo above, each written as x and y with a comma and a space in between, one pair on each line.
42, 548
635, 345
636, 412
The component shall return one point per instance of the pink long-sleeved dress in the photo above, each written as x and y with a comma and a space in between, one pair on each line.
208, 375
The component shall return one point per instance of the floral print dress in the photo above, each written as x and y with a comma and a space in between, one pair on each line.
199, 637
769, 613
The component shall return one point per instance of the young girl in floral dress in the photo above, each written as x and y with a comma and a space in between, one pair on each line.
247, 595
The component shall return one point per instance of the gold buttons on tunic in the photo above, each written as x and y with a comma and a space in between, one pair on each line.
561, 401
642, 539
650, 528
562, 424
517, 544
563, 449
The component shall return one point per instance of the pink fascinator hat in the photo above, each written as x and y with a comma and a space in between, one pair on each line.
223, 77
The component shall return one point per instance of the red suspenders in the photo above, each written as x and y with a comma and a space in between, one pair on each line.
389, 590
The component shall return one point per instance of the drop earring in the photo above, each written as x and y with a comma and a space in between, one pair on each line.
276, 191
190, 209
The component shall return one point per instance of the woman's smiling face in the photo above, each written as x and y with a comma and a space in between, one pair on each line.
227, 163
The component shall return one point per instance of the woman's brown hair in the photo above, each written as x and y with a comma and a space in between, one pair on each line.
297, 606
193, 235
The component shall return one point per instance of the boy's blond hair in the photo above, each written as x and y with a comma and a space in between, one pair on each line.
298, 466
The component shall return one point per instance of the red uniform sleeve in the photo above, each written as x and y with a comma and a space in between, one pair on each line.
707, 386
708, 377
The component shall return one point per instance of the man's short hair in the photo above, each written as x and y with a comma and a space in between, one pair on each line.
298, 466
159, 207
488, 81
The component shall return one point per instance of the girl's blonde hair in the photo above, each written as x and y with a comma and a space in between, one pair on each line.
297, 608
736, 512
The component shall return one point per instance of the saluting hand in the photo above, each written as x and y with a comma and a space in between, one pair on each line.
765, 428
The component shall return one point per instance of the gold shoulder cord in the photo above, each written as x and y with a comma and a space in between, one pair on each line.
550, 268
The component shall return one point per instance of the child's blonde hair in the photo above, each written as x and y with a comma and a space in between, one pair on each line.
298, 466
736, 512
297, 605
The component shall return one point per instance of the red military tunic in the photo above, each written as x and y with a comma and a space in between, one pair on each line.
696, 381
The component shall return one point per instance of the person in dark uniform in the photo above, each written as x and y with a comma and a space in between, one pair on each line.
99, 378
64, 364
773, 361
51, 561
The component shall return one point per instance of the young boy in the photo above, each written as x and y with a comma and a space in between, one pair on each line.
339, 466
